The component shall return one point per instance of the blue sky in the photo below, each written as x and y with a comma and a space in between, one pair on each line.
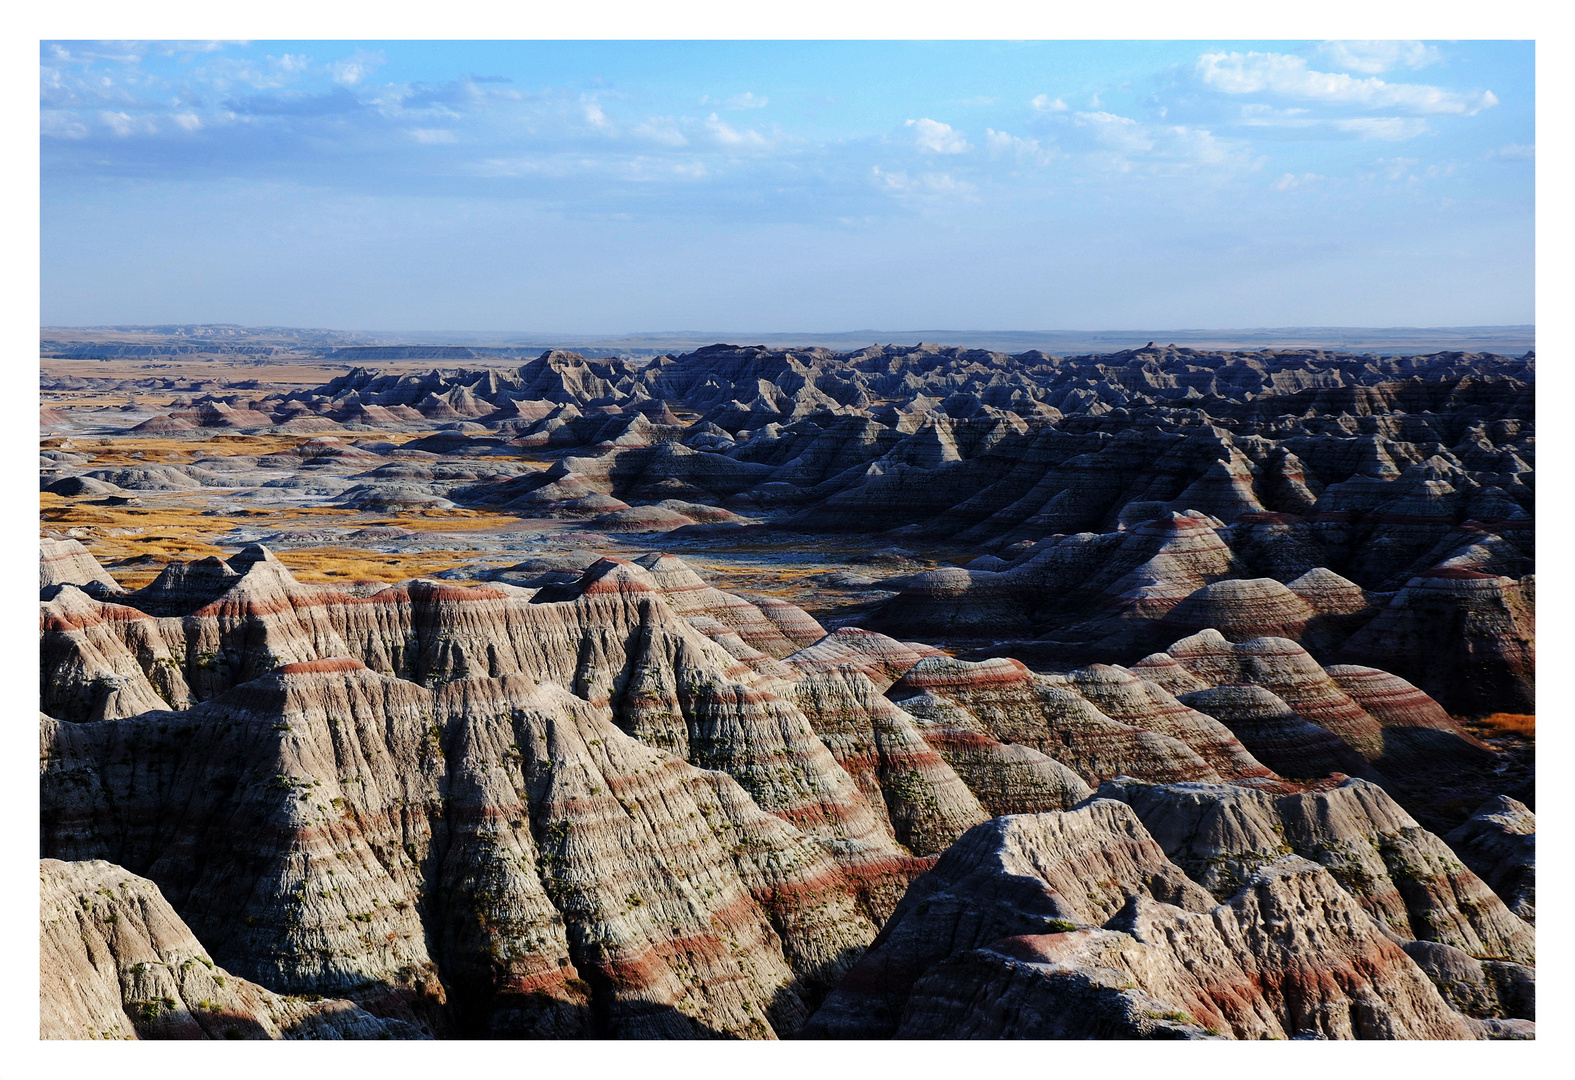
605, 187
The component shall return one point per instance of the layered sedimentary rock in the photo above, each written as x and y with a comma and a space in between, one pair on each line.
1208, 482
1462, 635
1276, 735
1498, 991
1499, 843
1062, 717
399, 839
1289, 956
116, 962
1407, 878
1006, 938
599, 797
1280, 666
1011, 876
67, 562
1007, 778
927, 804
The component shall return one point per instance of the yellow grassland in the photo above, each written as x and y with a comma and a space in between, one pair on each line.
106, 450
345, 564
1518, 723
155, 534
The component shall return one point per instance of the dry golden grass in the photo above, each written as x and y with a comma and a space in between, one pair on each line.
127, 451
134, 542
344, 564
1519, 723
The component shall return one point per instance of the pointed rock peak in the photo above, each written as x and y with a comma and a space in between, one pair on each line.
614, 575
1164, 670
560, 358
252, 554
670, 572
212, 566
65, 599
1204, 641
1177, 521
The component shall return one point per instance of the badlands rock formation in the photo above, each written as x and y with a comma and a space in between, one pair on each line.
1077, 925
1148, 729
116, 962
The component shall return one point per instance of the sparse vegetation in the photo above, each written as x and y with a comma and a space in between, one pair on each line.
1517, 723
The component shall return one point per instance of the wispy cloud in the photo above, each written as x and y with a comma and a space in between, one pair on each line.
1002, 144
1387, 128
1290, 181
937, 138
352, 70
125, 124
1045, 103
723, 134
746, 100
1513, 152
595, 115
928, 187
1287, 76
1377, 57
661, 129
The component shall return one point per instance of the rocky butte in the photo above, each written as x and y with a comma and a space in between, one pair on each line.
913, 692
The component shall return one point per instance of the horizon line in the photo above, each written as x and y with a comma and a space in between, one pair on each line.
783, 333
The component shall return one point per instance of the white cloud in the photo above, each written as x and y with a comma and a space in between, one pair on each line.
432, 136
1127, 144
1385, 128
938, 138
661, 129
1398, 168
353, 69
188, 121
1001, 144
1044, 103
58, 124
1290, 181
932, 186
124, 124
1289, 76
731, 137
746, 100
1377, 57
1115, 132
1513, 152
1260, 115
594, 116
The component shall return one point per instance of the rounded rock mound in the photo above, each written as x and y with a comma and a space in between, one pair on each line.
1242, 609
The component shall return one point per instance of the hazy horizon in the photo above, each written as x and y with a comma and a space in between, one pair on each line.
1505, 339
